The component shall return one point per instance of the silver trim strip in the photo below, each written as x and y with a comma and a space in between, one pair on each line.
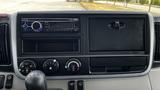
118, 55
14, 52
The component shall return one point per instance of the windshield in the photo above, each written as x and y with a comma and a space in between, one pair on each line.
9, 6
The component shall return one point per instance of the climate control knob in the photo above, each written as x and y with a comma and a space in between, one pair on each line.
73, 65
36, 26
50, 66
27, 66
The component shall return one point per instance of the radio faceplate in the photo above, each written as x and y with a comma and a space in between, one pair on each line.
101, 44
49, 25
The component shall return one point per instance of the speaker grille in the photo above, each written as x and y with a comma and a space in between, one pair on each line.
157, 50
4, 44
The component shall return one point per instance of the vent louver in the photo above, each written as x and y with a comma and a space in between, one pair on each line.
4, 44
157, 50
156, 62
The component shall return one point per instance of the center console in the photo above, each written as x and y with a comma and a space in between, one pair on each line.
77, 45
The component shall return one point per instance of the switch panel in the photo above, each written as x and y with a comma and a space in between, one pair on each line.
9, 81
71, 85
80, 85
2, 78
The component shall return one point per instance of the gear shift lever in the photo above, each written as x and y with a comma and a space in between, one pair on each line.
36, 80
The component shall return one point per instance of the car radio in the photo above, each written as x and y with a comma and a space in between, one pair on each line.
82, 44
50, 35
50, 25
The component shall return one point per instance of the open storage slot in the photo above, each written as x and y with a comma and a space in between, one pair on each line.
50, 45
118, 64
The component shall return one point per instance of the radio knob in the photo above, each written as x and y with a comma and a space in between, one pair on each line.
51, 66
73, 65
27, 66
36, 26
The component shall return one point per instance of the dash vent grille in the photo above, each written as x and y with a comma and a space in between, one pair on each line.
156, 62
157, 50
4, 44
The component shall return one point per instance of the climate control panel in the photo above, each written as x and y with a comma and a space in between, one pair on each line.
54, 66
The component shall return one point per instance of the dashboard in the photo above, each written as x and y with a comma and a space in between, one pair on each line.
81, 50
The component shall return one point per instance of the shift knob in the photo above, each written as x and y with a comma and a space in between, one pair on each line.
36, 80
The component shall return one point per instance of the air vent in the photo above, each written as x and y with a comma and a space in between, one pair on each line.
157, 49
157, 31
4, 44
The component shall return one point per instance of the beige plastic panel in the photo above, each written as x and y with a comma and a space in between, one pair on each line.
132, 83
155, 78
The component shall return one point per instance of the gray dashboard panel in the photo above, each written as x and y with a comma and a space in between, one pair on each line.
14, 48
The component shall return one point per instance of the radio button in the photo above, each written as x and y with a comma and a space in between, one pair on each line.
24, 26
51, 66
36, 26
73, 65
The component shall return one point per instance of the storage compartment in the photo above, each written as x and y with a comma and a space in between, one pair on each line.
116, 34
118, 64
50, 45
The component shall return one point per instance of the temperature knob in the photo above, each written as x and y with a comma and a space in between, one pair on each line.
36, 26
51, 66
73, 65
27, 66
